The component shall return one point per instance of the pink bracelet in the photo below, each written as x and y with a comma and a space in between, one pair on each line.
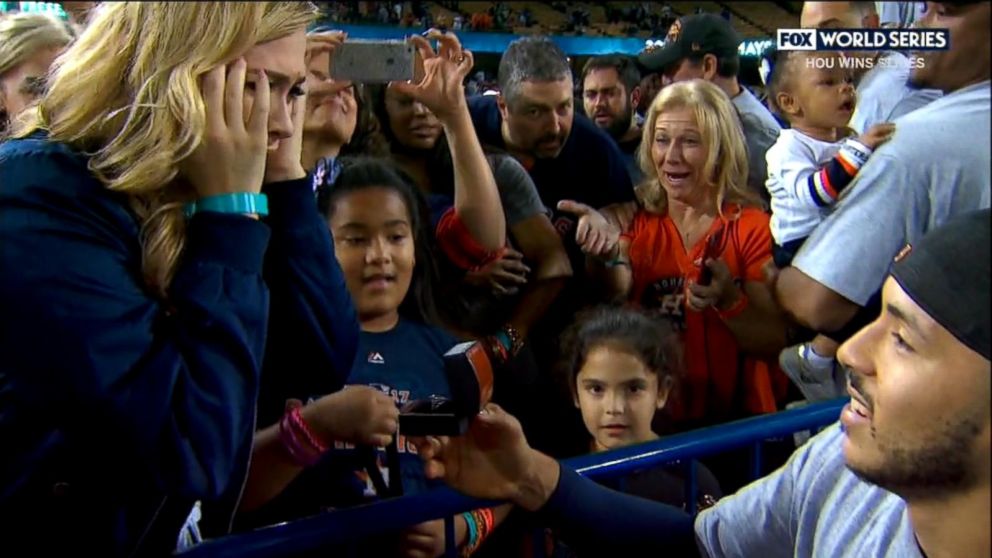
303, 429
299, 451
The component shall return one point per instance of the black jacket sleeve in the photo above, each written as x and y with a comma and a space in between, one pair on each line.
598, 521
160, 393
314, 329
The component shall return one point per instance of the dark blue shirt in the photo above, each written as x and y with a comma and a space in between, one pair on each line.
407, 363
118, 410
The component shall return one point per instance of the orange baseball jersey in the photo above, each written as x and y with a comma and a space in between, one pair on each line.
720, 381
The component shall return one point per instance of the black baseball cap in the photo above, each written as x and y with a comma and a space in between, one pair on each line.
951, 287
692, 36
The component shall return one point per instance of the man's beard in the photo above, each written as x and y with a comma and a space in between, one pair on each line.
938, 469
618, 128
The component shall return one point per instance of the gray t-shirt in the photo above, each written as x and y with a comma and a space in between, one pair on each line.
883, 94
760, 132
516, 189
479, 310
899, 14
813, 507
935, 166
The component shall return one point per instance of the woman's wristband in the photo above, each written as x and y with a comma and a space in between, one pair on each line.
735, 309
245, 203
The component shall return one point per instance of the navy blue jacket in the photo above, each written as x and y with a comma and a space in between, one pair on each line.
598, 521
118, 411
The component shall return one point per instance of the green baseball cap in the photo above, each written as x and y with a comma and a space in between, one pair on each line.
692, 36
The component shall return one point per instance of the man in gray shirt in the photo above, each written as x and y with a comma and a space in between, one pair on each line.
883, 92
704, 46
899, 15
906, 475
935, 166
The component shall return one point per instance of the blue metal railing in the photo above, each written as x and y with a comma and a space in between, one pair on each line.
342, 526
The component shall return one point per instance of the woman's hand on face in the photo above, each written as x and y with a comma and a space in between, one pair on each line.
442, 88
285, 162
356, 414
594, 234
720, 293
231, 156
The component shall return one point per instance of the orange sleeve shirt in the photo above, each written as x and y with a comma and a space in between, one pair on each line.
720, 382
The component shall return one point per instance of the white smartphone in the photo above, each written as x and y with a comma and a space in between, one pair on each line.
369, 61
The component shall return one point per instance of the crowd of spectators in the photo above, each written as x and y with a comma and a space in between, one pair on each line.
499, 16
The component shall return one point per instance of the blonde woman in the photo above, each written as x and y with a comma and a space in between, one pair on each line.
695, 253
29, 44
140, 203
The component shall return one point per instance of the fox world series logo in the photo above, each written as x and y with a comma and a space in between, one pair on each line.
863, 39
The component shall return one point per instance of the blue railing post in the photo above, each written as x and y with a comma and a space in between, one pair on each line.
539, 543
691, 487
756, 456
450, 544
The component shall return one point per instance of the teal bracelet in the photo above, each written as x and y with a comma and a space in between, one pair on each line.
240, 202
504, 339
473, 530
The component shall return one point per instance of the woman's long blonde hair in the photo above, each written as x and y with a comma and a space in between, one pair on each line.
127, 93
726, 162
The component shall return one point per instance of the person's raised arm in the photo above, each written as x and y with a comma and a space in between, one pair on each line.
477, 202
